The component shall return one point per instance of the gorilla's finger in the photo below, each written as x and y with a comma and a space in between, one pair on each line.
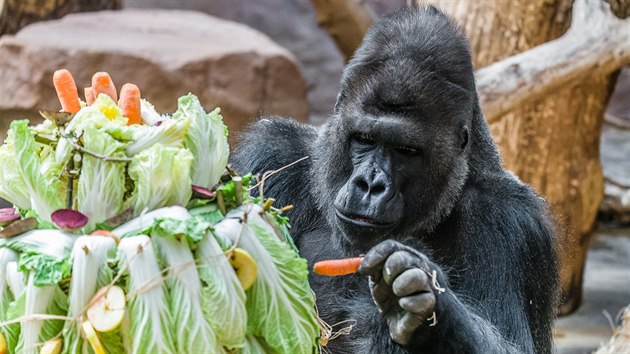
375, 258
402, 328
397, 263
381, 294
421, 304
411, 281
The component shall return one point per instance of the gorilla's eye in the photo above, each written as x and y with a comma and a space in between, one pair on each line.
364, 139
408, 150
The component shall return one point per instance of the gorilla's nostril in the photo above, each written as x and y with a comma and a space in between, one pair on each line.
378, 189
363, 186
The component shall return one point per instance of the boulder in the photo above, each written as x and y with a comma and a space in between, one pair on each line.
167, 53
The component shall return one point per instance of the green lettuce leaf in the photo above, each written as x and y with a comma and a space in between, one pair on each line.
206, 139
162, 177
101, 185
45, 254
280, 304
42, 188
223, 298
169, 133
193, 334
12, 186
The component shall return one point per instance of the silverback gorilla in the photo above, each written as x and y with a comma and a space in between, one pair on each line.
459, 255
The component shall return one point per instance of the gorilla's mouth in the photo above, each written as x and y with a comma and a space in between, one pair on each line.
363, 221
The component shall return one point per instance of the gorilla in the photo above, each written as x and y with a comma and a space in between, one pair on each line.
459, 255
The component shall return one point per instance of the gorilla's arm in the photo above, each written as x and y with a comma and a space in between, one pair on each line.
508, 269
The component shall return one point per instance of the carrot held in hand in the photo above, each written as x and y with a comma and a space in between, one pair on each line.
89, 95
335, 267
130, 103
66, 91
102, 83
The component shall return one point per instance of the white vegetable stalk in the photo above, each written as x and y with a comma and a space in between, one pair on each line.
145, 220
15, 279
6, 256
192, 333
38, 299
54, 243
147, 325
223, 296
89, 255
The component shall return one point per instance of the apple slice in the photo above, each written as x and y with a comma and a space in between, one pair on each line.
3, 344
106, 234
52, 346
107, 309
92, 337
244, 266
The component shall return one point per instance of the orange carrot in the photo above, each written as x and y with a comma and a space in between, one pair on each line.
89, 95
102, 83
66, 91
335, 267
130, 103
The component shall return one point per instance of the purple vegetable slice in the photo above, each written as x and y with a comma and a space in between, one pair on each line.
68, 219
202, 193
19, 227
8, 216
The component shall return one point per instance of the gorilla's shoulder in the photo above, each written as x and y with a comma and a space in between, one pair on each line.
272, 143
502, 199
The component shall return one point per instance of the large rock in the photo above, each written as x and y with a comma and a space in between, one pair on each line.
292, 24
167, 53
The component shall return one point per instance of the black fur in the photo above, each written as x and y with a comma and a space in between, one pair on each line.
488, 235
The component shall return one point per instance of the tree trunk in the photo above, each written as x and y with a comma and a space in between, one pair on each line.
15, 14
551, 143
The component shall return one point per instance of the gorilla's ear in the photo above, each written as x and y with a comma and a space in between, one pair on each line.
340, 98
464, 138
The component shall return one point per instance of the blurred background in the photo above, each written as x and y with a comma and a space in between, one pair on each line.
552, 77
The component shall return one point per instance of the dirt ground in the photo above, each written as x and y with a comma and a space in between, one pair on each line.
606, 292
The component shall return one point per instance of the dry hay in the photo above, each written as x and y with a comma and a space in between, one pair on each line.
620, 341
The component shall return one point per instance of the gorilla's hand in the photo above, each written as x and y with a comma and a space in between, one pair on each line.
402, 288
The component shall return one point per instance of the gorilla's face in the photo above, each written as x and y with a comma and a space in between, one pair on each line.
404, 157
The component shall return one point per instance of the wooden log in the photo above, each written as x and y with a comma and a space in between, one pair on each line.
346, 22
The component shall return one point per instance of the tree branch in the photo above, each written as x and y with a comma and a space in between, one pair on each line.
346, 21
597, 43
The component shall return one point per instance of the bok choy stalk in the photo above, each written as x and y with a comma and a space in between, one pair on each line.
206, 139
16, 283
161, 176
44, 254
6, 297
145, 221
222, 297
147, 326
280, 304
193, 334
101, 183
40, 300
90, 271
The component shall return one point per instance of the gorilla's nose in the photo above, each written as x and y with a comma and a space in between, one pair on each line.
374, 187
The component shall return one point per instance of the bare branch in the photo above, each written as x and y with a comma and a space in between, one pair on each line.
597, 43
346, 21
